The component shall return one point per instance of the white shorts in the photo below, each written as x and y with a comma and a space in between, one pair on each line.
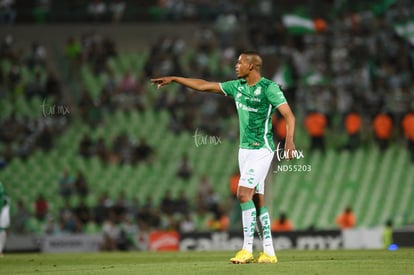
254, 165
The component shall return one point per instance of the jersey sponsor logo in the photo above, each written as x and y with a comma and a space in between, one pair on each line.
256, 99
243, 107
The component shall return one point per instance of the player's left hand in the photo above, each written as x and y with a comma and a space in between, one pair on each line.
290, 150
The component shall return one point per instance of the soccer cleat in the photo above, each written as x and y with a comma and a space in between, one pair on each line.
242, 257
266, 259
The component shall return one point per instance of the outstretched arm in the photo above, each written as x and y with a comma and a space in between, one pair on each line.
289, 117
192, 83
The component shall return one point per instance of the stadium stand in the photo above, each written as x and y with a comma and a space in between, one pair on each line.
377, 187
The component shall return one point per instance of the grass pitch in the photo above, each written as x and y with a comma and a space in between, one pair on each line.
215, 263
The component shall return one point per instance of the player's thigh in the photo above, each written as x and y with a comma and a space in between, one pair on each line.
254, 167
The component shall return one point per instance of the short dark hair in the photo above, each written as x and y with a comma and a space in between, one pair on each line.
250, 52
254, 58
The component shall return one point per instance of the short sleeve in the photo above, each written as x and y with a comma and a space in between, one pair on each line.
229, 87
275, 95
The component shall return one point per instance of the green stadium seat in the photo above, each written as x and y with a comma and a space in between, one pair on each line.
34, 226
92, 228
90, 81
112, 65
6, 108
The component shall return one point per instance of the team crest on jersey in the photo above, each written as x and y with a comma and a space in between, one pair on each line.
258, 91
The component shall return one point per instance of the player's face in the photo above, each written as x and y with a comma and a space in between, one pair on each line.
242, 66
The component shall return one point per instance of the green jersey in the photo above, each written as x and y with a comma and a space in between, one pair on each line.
255, 106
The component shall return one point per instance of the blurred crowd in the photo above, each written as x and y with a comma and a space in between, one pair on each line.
124, 221
25, 79
123, 150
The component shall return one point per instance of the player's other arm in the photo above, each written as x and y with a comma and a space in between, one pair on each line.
192, 83
289, 117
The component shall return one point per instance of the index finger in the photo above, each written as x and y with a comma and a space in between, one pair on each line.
156, 80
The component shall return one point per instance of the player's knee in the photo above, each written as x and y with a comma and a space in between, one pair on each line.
243, 196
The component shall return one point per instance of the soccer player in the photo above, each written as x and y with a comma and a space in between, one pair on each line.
4, 217
256, 98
